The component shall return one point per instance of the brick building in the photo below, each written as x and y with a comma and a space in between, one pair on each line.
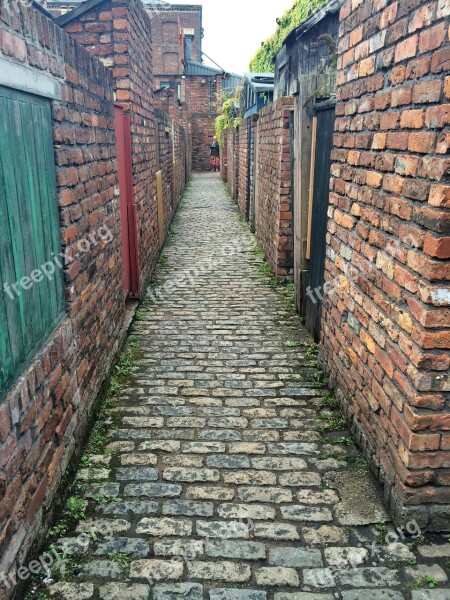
386, 335
379, 224
177, 33
62, 148
120, 35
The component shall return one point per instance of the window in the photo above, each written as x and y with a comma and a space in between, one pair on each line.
31, 303
179, 91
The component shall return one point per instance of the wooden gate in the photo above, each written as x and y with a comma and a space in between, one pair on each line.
31, 277
323, 129
127, 206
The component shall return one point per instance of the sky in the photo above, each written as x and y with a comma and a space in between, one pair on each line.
234, 29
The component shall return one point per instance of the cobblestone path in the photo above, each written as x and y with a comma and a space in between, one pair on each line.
215, 482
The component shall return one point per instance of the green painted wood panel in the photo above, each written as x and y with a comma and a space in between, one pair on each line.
30, 233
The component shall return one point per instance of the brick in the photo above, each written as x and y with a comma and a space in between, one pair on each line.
440, 61
422, 143
432, 38
401, 96
406, 49
412, 119
427, 91
437, 116
421, 18
439, 196
438, 247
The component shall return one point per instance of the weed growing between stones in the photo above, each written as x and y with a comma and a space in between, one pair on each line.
426, 582
120, 558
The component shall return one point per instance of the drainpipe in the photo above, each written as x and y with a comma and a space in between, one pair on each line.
209, 94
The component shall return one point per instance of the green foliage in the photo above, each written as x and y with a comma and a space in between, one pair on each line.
221, 125
58, 530
75, 508
228, 117
425, 582
263, 61
119, 557
382, 530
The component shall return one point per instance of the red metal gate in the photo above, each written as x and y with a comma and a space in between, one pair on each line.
127, 206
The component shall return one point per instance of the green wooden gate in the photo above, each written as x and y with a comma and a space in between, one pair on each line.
29, 232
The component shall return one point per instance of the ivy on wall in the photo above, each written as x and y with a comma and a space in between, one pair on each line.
264, 59
231, 115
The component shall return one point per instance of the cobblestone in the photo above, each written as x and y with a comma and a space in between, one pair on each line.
216, 483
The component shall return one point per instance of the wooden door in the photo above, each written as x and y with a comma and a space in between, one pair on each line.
127, 207
319, 218
31, 277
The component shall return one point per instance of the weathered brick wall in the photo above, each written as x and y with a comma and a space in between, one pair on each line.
224, 159
232, 160
200, 106
253, 150
202, 130
386, 317
244, 166
119, 33
165, 163
242, 157
273, 203
166, 37
45, 412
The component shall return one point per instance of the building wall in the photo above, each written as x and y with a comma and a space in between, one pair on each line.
232, 161
242, 157
224, 159
200, 105
270, 206
386, 321
44, 414
273, 214
120, 34
167, 26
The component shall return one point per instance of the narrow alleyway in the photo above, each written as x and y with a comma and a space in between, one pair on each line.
226, 473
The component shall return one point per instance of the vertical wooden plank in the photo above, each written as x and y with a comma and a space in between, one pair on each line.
121, 169
311, 187
9, 349
14, 198
47, 179
316, 275
32, 206
160, 199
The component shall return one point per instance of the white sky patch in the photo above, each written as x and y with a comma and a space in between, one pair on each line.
235, 29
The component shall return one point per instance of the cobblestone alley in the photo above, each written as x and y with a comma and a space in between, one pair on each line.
226, 473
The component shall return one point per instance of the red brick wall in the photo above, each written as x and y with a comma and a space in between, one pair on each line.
224, 158
166, 39
202, 127
242, 157
200, 105
270, 202
45, 412
244, 185
273, 202
386, 324
120, 34
232, 161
